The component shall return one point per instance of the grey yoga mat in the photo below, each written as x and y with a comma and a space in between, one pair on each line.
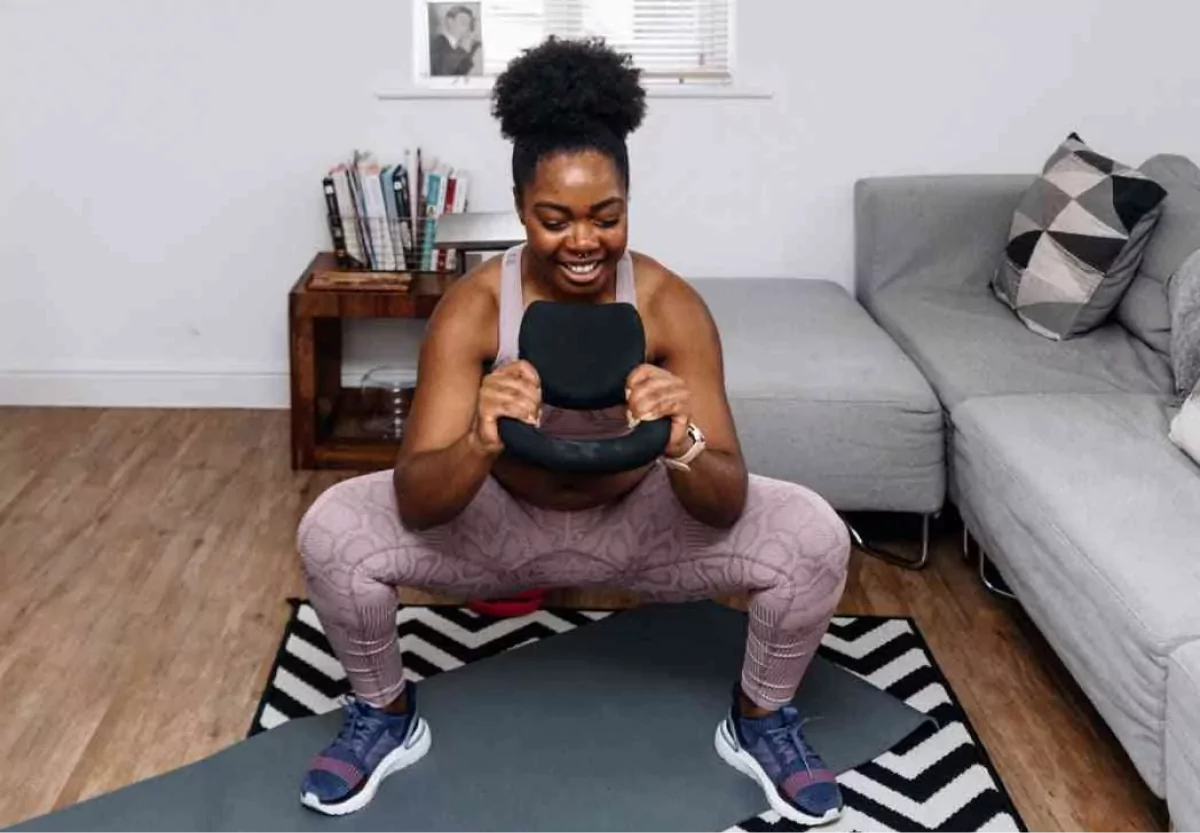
606, 727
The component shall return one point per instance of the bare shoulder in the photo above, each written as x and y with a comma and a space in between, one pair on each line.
470, 308
674, 310
478, 286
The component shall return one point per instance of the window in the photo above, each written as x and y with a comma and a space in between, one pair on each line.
672, 41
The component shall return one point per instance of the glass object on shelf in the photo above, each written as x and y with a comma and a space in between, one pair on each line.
386, 393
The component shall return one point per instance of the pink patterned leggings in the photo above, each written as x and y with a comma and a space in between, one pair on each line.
789, 551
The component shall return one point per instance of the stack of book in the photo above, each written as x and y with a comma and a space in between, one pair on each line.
383, 217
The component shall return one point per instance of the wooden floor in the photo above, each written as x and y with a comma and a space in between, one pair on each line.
147, 555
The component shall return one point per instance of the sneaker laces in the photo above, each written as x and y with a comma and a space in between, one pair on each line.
785, 740
356, 725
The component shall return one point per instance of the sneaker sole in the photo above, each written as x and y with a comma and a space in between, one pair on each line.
402, 756
741, 760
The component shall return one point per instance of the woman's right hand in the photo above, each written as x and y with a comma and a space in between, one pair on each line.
513, 390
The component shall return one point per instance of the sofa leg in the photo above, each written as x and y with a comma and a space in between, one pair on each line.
982, 564
987, 582
891, 557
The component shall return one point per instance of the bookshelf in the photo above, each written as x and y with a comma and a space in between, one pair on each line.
326, 415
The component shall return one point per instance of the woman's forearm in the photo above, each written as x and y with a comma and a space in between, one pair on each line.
433, 487
714, 490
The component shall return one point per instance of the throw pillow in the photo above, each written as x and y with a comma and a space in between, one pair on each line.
1184, 301
1144, 309
1185, 427
1076, 241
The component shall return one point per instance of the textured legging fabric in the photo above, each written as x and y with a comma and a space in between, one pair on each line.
789, 551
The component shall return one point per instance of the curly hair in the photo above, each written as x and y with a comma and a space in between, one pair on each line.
568, 95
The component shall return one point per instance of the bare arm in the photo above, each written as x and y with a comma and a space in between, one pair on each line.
440, 466
714, 491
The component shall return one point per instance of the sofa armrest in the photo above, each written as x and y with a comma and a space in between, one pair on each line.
932, 231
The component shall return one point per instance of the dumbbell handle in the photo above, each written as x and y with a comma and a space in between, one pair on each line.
604, 456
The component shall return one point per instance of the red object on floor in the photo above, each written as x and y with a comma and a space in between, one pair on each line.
527, 601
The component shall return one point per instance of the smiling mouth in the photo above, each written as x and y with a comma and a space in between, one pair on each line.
582, 272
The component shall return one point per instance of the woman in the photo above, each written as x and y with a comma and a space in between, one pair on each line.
459, 516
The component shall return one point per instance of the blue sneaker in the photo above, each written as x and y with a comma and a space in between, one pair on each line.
773, 752
371, 746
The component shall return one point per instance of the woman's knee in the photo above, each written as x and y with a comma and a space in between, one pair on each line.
345, 516
819, 538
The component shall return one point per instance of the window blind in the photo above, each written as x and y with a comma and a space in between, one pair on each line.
670, 40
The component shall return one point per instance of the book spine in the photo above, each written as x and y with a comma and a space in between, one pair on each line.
354, 246
431, 211
360, 207
377, 217
403, 213
445, 258
336, 232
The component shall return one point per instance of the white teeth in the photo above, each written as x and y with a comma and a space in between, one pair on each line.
580, 268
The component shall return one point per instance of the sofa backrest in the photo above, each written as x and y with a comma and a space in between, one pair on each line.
932, 232
1144, 310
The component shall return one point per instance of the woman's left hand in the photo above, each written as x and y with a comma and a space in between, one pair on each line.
653, 393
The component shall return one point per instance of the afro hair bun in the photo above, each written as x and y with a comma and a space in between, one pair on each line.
569, 88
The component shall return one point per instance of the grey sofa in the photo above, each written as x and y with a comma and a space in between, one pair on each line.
822, 396
1057, 455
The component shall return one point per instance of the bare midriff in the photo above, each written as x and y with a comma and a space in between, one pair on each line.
564, 492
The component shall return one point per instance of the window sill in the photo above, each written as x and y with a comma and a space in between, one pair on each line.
681, 91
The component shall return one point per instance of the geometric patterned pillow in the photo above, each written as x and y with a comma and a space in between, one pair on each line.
1076, 240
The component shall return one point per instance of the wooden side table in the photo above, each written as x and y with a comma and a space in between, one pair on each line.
327, 417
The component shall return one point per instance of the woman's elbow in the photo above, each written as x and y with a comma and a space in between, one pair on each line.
409, 514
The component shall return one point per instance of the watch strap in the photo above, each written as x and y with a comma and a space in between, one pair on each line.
681, 463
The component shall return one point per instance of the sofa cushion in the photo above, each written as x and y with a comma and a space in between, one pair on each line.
1183, 737
822, 396
1076, 240
969, 344
1183, 296
1144, 309
1090, 514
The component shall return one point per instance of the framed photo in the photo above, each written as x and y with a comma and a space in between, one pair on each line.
453, 41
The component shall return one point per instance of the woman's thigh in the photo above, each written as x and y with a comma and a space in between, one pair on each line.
787, 535
353, 531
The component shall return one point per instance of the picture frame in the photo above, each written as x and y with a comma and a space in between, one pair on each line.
449, 41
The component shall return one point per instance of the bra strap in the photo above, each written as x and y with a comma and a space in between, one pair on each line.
512, 307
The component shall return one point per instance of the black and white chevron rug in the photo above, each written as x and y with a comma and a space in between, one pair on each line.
936, 779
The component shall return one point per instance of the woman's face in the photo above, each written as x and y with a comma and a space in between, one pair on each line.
575, 220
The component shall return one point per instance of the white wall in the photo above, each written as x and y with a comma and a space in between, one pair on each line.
160, 161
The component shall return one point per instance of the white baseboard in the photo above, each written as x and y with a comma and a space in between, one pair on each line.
133, 386
161, 386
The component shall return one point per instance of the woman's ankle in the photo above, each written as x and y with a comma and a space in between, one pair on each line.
747, 708
399, 705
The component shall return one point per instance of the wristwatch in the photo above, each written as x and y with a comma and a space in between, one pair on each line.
698, 445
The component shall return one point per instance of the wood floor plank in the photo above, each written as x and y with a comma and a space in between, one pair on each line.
149, 554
